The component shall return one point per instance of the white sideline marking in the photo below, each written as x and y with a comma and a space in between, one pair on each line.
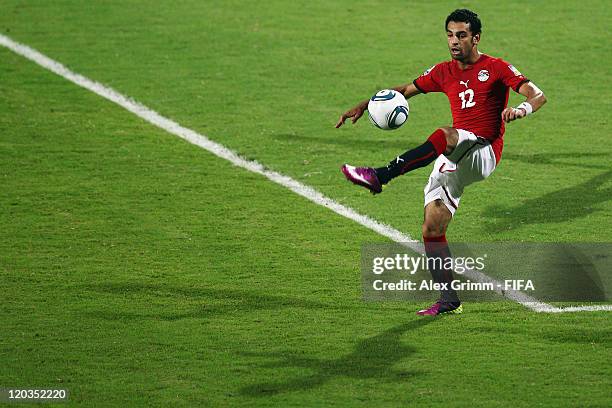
219, 150
594, 308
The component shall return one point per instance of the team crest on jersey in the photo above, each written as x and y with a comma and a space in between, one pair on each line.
483, 75
428, 71
516, 71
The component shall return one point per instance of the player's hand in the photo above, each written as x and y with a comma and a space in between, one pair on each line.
510, 114
354, 114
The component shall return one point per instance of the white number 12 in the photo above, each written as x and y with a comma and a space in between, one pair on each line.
467, 99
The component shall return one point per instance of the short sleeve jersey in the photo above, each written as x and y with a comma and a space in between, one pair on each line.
477, 95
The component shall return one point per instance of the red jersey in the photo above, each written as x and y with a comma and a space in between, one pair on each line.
477, 95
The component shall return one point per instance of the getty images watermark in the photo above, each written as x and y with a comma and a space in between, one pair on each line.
485, 272
410, 264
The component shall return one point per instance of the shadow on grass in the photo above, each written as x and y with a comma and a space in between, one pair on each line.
374, 357
562, 159
572, 202
156, 301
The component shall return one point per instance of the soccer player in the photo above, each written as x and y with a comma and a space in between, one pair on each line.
477, 86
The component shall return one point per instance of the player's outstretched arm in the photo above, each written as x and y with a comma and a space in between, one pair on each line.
535, 100
408, 90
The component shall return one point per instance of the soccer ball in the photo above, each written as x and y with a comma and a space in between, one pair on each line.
388, 109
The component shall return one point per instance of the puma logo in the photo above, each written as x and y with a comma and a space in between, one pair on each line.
464, 83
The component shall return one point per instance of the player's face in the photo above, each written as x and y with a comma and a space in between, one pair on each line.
461, 42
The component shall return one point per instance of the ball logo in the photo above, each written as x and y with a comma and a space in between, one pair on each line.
483, 75
383, 96
397, 117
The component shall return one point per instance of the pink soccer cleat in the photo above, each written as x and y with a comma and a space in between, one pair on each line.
440, 308
362, 176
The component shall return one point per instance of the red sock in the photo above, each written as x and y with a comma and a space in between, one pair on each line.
437, 248
435, 245
441, 238
438, 139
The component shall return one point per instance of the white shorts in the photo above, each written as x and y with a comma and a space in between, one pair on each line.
472, 160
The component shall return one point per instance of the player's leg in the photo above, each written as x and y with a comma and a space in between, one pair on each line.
442, 141
471, 161
435, 222
436, 218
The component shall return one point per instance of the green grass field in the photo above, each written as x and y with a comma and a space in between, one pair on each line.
139, 270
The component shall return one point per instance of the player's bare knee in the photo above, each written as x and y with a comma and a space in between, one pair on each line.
432, 229
436, 219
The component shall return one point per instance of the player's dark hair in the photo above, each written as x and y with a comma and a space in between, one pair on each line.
465, 16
